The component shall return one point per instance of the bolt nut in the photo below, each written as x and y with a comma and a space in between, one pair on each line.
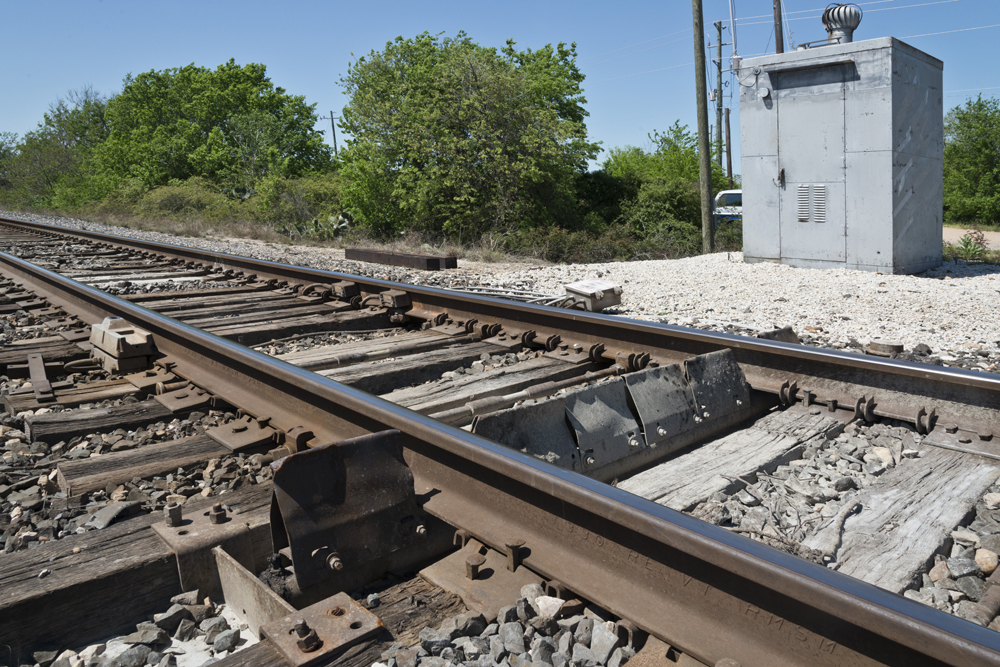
985, 436
334, 563
421, 529
307, 639
662, 432
217, 514
951, 428
173, 513
633, 442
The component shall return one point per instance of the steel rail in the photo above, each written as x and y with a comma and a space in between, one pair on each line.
709, 592
897, 389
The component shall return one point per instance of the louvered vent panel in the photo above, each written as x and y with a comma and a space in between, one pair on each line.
819, 203
803, 203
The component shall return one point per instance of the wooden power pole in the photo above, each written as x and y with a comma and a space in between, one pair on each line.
779, 34
704, 150
729, 153
718, 92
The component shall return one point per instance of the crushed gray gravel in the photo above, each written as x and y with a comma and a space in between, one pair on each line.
954, 309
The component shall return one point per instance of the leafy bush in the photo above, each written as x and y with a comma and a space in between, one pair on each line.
186, 198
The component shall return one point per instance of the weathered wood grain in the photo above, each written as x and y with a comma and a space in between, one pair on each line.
452, 393
334, 356
692, 475
71, 397
260, 332
379, 377
906, 515
55, 426
97, 472
117, 577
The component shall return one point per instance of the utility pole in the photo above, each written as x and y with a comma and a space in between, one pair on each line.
704, 151
729, 153
718, 93
779, 35
333, 127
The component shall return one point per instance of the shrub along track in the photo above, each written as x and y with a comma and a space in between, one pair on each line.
626, 395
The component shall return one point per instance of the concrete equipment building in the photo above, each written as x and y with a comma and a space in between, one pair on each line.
842, 148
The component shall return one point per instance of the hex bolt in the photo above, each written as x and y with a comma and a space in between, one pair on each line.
472, 565
334, 562
965, 440
633, 442
514, 554
662, 432
421, 529
217, 514
985, 436
951, 428
174, 513
308, 640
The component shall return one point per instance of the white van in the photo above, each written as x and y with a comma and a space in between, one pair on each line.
728, 206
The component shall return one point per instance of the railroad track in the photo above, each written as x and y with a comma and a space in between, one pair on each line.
471, 428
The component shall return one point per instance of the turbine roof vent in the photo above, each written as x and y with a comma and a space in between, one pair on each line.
841, 21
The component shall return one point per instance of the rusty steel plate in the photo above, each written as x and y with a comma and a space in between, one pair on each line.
338, 621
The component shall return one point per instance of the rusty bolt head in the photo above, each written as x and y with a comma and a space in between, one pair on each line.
173, 513
301, 628
472, 565
217, 514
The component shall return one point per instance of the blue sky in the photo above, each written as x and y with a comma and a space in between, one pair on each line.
636, 55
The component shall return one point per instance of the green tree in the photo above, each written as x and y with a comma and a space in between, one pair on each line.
456, 139
230, 125
972, 162
666, 203
8, 151
48, 164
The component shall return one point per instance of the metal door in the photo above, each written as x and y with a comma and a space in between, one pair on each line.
811, 198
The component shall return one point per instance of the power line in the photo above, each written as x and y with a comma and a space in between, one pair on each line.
966, 90
945, 32
881, 9
805, 11
662, 69
637, 44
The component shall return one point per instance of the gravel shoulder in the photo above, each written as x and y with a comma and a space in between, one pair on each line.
954, 309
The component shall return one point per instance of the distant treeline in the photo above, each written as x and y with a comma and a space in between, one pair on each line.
448, 140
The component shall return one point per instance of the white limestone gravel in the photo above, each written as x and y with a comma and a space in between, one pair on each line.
954, 309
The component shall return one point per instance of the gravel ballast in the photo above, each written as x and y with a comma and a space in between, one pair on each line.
954, 309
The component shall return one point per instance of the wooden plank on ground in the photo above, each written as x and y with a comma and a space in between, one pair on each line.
906, 515
97, 472
278, 311
91, 392
379, 377
452, 393
691, 476
327, 356
261, 332
117, 577
55, 426
51, 351
184, 294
